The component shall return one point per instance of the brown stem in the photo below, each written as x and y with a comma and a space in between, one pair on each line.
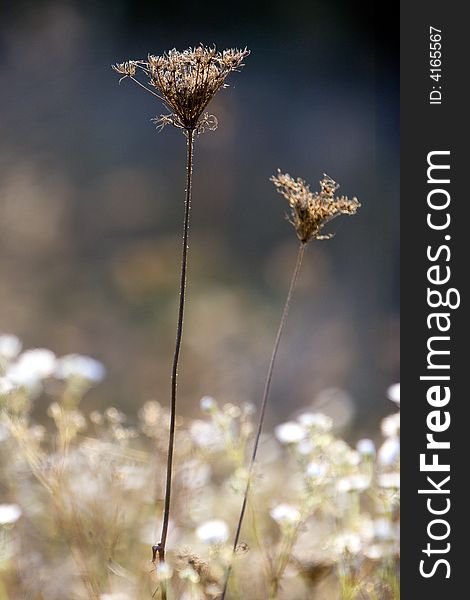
179, 334
264, 402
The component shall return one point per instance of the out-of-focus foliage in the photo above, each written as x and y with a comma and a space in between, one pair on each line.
82, 497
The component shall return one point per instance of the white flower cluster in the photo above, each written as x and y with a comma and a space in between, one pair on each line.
314, 498
294, 432
339, 478
28, 370
9, 513
213, 532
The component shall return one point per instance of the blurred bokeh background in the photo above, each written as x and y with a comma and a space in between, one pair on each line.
91, 202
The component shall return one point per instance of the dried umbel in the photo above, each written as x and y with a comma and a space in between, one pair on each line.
186, 82
311, 211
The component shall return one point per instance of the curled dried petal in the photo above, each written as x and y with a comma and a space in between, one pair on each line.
207, 123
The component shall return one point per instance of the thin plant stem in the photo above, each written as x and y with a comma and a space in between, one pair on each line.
145, 88
179, 334
264, 403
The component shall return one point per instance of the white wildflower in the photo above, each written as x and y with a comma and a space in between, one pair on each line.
317, 421
31, 367
348, 541
213, 532
393, 393
114, 415
386, 540
316, 470
353, 458
384, 530
353, 483
389, 452
96, 417
379, 551
389, 480
341, 453
208, 404
365, 528
77, 366
285, 514
164, 571
290, 432
391, 425
206, 435
305, 447
10, 346
366, 447
6, 386
248, 409
232, 411
9, 513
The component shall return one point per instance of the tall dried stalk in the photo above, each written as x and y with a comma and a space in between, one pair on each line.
185, 82
179, 335
264, 403
310, 212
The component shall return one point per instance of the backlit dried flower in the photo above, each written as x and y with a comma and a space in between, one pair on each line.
126, 69
186, 82
311, 211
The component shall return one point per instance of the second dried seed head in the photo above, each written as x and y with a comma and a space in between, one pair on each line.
311, 211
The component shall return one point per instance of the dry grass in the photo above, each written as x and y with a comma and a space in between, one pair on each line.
78, 516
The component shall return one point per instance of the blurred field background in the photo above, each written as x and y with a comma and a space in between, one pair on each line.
91, 203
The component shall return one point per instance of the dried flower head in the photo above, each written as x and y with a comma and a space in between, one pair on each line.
186, 82
311, 211
126, 69
199, 567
